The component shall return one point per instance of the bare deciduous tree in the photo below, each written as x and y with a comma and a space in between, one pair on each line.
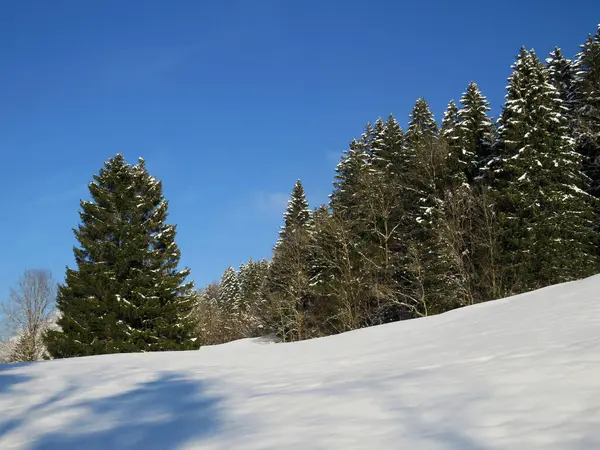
28, 312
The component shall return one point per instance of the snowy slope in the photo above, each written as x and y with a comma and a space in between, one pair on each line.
518, 373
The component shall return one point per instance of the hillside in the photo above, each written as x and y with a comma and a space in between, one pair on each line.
521, 372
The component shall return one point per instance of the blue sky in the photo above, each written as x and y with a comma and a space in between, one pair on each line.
229, 103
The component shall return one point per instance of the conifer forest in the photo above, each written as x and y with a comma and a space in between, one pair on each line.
443, 214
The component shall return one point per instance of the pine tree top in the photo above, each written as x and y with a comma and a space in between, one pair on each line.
297, 214
422, 125
450, 121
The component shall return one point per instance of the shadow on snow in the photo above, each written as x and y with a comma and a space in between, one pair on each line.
8, 380
160, 414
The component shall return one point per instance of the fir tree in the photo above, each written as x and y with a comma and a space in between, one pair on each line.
378, 147
421, 138
297, 214
545, 212
126, 294
288, 282
229, 292
252, 277
456, 161
393, 150
475, 130
587, 109
346, 197
433, 278
562, 76
422, 128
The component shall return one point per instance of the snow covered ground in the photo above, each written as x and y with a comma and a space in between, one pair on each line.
518, 373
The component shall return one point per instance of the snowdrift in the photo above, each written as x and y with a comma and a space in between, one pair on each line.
517, 373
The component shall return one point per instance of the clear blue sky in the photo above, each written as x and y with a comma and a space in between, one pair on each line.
229, 102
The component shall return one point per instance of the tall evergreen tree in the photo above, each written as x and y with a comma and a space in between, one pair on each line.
432, 266
422, 127
229, 292
126, 294
587, 109
288, 282
562, 76
545, 212
346, 198
393, 150
456, 162
476, 131
297, 215
252, 277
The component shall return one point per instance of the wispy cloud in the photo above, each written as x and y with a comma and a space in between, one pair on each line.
72, 193
259, 206
333, 156
142, 64
270, 202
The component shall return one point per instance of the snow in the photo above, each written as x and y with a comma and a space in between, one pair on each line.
517, 373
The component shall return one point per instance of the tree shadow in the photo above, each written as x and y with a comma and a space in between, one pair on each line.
9, 380
160, 414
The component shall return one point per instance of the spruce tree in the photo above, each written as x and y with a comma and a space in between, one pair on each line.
450, 122
476, 131
126, 293
422, 128
562, 76
431, 269
587, 109
297, 215
288, 283
393, 150
378, 147
457, 162
545, 211
252, 277
349, 178
229, 292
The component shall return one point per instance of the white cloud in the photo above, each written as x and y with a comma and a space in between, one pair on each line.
271, 202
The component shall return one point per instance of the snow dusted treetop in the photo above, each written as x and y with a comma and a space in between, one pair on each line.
587, 108
346, 192
297, 214
127, 292
422, 126
587, 68
387, 145
456, 163
450, 122
532, 125
421, 138
475, 129
545, 209
562, 76
252, 276
377, 144
229, 293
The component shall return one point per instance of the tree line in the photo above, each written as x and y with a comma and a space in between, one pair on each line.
420, 221
438, 216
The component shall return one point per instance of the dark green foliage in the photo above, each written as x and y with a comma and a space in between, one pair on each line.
126, 293
345, 200
587, 109
252, 277
288, 282
546, 215
435, 218
476, 132
561, 74
297, 214
457, 161
229, 292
